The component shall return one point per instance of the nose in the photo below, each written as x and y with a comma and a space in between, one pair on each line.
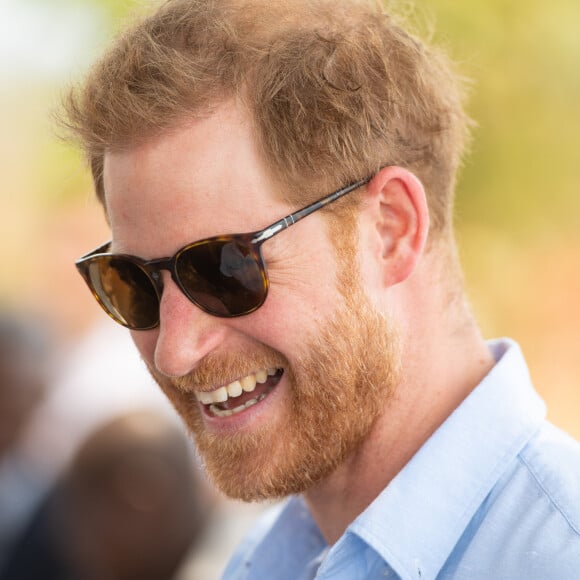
186, 334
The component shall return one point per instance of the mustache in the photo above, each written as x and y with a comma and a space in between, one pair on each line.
217, 370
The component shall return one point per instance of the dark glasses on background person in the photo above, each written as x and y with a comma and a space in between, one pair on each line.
225, 276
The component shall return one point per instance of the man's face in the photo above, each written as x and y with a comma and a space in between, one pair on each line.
314, 365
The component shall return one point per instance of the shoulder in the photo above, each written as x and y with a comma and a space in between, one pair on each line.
283, 545
552, 461
529, 525
240, 561
539, 506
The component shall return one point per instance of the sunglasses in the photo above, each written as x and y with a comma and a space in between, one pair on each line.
225, 276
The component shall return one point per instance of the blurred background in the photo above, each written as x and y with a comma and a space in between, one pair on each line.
518, 205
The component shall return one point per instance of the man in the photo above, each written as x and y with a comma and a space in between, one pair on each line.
332, 359
129, 478
24, 339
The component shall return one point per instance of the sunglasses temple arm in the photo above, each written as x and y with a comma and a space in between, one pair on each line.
291, 219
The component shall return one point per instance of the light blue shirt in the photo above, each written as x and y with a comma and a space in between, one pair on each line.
494, 494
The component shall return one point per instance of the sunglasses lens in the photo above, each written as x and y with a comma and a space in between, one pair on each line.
224, 276
125, 291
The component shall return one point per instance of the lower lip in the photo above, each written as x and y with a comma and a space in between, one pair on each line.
250, 417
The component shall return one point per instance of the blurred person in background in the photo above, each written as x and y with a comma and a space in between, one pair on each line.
131, 506
337, 362
26, 352
97, 380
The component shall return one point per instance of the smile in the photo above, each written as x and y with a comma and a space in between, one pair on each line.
240, 394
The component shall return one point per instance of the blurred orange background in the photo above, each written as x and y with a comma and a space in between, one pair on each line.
518, 210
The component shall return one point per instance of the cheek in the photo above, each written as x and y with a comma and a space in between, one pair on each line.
303, 292
145, 341
290, 313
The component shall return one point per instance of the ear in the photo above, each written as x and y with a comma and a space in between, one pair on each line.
396, 223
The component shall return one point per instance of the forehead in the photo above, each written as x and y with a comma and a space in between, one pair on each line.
201, 179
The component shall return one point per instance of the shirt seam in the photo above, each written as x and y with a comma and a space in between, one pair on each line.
549, 496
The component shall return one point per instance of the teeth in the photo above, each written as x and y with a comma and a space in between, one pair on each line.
248, 383
221, 395
227, 412
235, 389
205, 398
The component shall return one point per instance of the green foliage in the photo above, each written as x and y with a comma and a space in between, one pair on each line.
119, 10
524, 58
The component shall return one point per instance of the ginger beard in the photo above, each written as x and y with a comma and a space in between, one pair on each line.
340, 385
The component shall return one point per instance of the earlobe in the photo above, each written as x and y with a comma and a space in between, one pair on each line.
401, 222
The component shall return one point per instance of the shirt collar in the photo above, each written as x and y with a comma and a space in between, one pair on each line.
417, 520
